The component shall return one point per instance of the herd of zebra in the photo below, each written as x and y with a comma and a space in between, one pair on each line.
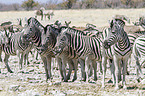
69, 45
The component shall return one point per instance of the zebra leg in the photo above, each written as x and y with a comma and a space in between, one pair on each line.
116, 63
71, 66
64, 69
120, 67
42, 17
75, 69
88, 68
36, 55
20, 60
104, 62
82, 63
94, 64
48, 58
26, 61
0, 56
138, 68
129, 64
112, 68
60, 66
100, 63
124, 73
6, 63
45, 66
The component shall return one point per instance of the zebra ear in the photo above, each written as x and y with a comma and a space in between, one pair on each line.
127, 19
6, 33
109, 21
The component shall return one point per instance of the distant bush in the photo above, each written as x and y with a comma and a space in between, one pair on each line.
74, 4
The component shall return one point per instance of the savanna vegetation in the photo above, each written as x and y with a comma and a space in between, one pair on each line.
73, 4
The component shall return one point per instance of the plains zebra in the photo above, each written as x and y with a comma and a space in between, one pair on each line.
78, 44
12, 44
139, 52
141, 22
33, 33
116, 47
48, 42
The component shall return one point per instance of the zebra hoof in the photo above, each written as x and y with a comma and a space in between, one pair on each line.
10, 71
138, 80
127, 73
83, 79
74, 79
65, 80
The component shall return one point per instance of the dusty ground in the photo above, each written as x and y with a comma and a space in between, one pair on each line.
31, 80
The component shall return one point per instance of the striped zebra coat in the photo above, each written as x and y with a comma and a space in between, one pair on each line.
139, 53
33, 34
16, 44
77, 44
48, 43
116, 47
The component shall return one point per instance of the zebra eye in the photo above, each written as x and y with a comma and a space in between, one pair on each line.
63, 39
30, 29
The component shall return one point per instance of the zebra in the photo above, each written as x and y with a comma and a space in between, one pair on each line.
116, 46
80, 45
141, 22
33, 34
39, 13
48, 42
16, 44
138, 53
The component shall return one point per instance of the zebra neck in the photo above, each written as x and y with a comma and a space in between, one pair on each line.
21, 43
36, 39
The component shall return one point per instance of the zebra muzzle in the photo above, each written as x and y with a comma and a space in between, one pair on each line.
57, 50
106, 44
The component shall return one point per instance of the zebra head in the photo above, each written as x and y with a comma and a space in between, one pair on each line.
63, 40
115, 34
49, 36
6, 38
32, 28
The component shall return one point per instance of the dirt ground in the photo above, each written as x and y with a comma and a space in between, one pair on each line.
30, 81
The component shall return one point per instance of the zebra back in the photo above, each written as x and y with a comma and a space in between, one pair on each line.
79, 43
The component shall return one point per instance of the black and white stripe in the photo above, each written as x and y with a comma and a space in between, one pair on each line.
139, 53
117, 47
79, 44
33, 33
13, 44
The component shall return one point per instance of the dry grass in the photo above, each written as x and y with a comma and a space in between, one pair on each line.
98, 17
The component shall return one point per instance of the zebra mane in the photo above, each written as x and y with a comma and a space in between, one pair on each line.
119, 21
34, 21
74, 31
53, 28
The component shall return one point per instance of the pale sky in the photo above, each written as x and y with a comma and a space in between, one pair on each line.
20, 1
